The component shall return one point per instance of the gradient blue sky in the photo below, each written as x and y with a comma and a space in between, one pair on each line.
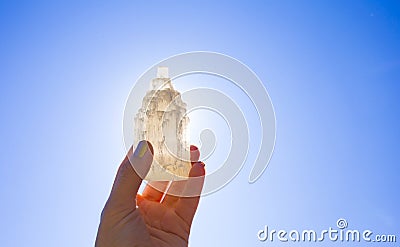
331, 69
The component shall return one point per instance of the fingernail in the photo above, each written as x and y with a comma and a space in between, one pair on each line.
141, 149
193, 148
200, 164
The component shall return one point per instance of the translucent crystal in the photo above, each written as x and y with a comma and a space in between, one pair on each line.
162, 120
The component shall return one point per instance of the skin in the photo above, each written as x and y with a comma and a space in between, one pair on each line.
152, 218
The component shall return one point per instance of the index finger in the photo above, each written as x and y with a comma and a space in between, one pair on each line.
186, 206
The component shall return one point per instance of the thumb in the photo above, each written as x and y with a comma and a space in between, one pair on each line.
130, 174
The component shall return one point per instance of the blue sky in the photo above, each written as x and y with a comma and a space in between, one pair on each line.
332, 70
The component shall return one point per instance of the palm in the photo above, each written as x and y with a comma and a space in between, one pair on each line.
164, 225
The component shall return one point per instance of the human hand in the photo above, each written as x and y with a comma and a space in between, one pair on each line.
151, 219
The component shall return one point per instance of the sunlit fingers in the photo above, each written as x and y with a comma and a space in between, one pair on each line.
154, 191
173, 193
186, 206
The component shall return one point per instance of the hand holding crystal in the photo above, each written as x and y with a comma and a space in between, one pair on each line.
155, 217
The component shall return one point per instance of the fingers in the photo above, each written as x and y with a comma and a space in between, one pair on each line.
154, 191
176, 188
186, 206
133, 168
174, 191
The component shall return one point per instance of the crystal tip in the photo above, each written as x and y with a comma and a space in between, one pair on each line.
162, 72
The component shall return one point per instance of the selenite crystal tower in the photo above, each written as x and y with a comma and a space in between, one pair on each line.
162, 120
